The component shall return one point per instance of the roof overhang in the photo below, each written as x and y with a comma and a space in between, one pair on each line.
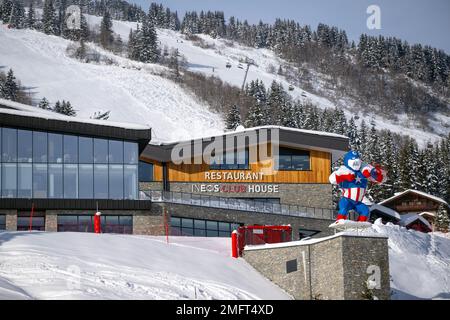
301, 139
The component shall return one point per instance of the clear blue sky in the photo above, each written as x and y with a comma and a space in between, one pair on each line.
417, 21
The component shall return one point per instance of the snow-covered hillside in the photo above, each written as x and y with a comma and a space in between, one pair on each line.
134, 92
40, 265
213, 59
419, 263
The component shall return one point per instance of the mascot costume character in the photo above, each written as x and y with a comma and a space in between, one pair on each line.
353, 178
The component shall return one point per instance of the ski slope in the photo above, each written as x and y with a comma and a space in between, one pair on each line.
134, 92
41, 265
213, 60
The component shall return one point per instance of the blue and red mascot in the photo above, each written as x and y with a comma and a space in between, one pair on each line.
353, 178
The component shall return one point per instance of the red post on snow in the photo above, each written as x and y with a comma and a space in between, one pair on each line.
31, 218
234, 244
97, 223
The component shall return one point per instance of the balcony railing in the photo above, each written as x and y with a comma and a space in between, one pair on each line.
237, 204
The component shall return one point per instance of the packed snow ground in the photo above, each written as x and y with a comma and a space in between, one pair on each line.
212, 60
134, 92
41, 265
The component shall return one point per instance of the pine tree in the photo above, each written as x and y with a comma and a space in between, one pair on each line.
31, 16
106, 33
352, 134
148, 43
49, 21
44, 104
233, 119
5, 10
17, 18
64, 108
442, 219
10, 88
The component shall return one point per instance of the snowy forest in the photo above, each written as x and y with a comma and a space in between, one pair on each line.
386, 72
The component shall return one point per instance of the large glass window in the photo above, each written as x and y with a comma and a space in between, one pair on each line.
238, 160
116, 181
86, 174
130, 153
201, 228
84, 223
9, 145
291, 159
130, 173
2, 222
37, 164
55, 152
100, 151
39, 147
24, 180
24, 146
70, 149
70, 181
55, 181
86, 150
145, 171
39, 180
9, 180
100, 181
115, 151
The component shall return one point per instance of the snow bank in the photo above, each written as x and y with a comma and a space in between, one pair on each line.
41, 265
419, 263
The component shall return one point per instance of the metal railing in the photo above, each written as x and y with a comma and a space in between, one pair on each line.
237, 204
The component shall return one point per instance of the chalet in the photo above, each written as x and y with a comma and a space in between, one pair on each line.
417, 202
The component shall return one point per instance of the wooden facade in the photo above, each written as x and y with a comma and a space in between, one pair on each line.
320, 169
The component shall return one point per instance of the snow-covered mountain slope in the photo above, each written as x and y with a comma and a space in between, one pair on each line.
419, 263
40, 265
212, 60
134, 92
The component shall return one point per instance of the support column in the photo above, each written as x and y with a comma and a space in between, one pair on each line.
51, 222
11, 220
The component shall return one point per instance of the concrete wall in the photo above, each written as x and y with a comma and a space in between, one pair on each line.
336, 268
247, 218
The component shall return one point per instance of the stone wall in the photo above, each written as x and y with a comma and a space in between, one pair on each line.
308, 195
10, 219
51, 222
244, 217
335, 268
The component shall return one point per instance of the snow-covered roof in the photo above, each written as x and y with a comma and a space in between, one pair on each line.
426, 213
407, 219
15, 108
385, 210
426, 195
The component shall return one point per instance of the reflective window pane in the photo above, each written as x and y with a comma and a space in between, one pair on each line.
9, 145
70, 181
24, 146
40, 180
116, 181
86, 150
100, 181
55, 152
70, 149
284, 162
130, 177
39, 146
86, 173
24, 180
100, 151
115, 151
55, 181
9, 180
300, 162
130, 153
145, 171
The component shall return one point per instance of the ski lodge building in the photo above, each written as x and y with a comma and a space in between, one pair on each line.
57, 171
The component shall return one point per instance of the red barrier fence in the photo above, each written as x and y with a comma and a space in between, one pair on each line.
257, 235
